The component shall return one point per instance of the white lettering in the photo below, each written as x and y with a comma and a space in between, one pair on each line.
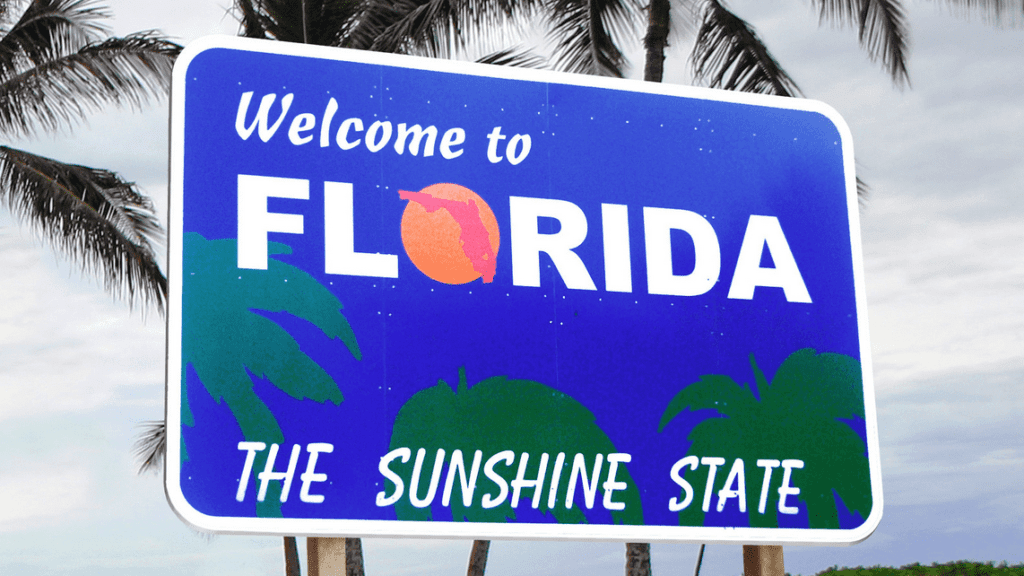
556, 477
610, 485
674, 505
521, 482
492, 144
618, 272
528, 242
373, 144
518, 140
301, 123
383, 467
452, 137
262, 114
310, 475
769, 466
786, 489
579, 471
325, 126
658, 226
340, 256
254, 222
417, 135
735, 477
765, 231
490, 501
251, 449
268, 473
712, 464
342, 139
435, 476
458, 466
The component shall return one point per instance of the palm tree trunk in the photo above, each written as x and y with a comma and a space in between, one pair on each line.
291, 557
656, 39
354, 557
478, 558
638, 559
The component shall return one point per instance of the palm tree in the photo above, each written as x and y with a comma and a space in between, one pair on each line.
57, 65
223, 365
494, 415
222, 296
799, 414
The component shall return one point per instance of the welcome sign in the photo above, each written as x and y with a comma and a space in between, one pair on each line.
413, 297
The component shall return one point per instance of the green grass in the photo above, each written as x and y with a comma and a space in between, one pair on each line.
957, 568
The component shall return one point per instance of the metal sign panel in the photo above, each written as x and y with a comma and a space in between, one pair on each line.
415, 297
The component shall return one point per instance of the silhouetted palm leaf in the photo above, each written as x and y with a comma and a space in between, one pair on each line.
515, 57
150, 448
55, 68
882, 27
57, 93
92, 216
586, 33
50, 29
998, 12
437, 28
728, 54
797, 416
219, 296
323, 22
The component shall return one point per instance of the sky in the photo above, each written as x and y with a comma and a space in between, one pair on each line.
944, 268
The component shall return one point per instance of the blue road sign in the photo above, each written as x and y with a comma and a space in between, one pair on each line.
415, 297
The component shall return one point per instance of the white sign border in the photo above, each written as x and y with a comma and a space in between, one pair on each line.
493, 531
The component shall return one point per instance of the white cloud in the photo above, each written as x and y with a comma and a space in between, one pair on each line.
65, 346
33, 496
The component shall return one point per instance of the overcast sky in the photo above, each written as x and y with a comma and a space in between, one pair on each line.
944, 260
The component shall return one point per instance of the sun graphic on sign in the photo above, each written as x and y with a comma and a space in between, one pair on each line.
450, 234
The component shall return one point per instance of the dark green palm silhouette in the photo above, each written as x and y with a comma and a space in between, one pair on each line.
499, 414
796, 418
225, 339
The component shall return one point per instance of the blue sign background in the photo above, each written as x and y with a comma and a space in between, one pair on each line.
621, 355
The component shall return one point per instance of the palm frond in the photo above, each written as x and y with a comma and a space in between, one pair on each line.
863, 191
150, 447
250, 21
320, 22
430, 28
882, 27
374, 19
50, 29
516, 56
728, 54
712, 391
437, 28
94, 217
586, 33
997, 12
121, 71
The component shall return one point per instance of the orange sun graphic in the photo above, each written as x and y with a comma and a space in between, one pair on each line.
450, 234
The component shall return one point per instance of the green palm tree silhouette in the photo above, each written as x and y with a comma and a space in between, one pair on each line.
499, 414
224, 302
797, 417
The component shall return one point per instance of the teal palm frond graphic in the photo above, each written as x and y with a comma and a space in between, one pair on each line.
225, 339
519, 416
797, 417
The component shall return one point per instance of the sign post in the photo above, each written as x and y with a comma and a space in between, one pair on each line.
416, 297
763, 561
